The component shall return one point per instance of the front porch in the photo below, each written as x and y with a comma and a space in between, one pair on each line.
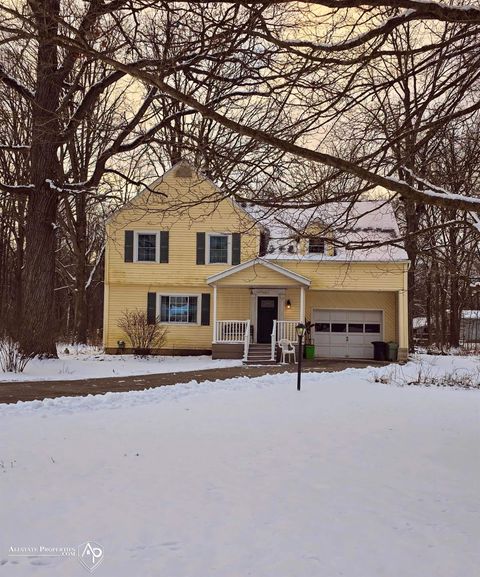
234, 340
266, 302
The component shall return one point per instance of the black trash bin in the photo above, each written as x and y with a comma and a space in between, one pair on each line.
379, 350
392, 351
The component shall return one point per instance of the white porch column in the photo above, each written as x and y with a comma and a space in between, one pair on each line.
403, 323
215, 313
302, 304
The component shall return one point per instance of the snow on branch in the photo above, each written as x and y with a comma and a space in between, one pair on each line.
15, 147
94, 268
388, 26
15, 84
395, 185
24, 189
422, 9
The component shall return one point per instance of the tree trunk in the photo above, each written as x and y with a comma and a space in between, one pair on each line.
455, 312
428, 310
411, 248
38, 331
80, 298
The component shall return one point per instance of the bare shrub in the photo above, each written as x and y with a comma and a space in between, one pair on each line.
424, 374
459, 378
141, 334
12, 359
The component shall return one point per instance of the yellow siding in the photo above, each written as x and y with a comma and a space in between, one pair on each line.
150, 212
257, 276
293, 313
233, 304
385, 301
340, 276
129, 297
334, 284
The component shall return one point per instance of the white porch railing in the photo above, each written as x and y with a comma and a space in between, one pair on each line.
286, 330
283, 330
233, 332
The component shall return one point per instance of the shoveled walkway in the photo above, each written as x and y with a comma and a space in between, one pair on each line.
38, 390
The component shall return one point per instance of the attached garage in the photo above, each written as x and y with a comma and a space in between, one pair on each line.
346, 333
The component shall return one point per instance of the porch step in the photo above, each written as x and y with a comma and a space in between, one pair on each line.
259, 354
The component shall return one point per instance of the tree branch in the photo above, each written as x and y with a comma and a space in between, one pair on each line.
13, 83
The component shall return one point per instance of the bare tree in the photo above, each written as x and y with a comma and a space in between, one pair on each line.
311, 67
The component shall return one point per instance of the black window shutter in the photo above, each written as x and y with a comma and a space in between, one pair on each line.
264, 239
128, 246
205, 309
164, 246
151, 308
236, 248
200, 248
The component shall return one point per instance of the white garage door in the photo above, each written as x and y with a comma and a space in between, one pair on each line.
346, 333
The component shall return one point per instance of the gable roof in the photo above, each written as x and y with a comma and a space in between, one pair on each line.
259, 261
180, 169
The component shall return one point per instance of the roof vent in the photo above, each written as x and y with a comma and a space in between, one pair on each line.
183, 171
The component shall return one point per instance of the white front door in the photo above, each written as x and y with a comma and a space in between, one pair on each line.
346, 333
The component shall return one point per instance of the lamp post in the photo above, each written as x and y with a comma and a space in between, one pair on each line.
300, 328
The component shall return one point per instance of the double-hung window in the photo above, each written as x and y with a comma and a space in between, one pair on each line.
146, 247
316, 245
219, 248
182, 309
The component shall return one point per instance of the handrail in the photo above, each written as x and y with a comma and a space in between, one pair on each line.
274, 340
246, 342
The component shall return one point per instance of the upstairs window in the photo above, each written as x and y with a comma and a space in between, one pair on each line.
146, 247
316, 245
218, 248
179, 309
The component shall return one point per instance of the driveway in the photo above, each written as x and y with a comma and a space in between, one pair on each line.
39, 390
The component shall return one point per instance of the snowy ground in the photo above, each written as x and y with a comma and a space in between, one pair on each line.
248, 477
89, 363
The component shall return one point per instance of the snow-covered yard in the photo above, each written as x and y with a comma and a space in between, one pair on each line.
243, 477
90, 363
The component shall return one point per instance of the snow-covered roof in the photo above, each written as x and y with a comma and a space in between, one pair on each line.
419, 322
473, 314
357, 230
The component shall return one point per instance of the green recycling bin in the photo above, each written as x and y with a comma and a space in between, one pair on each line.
309, 352
392, 351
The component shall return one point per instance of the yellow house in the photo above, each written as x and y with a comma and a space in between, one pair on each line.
234, 280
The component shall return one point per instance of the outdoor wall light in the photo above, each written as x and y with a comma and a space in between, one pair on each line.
289, 304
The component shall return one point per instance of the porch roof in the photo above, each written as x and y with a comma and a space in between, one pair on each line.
298, 278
